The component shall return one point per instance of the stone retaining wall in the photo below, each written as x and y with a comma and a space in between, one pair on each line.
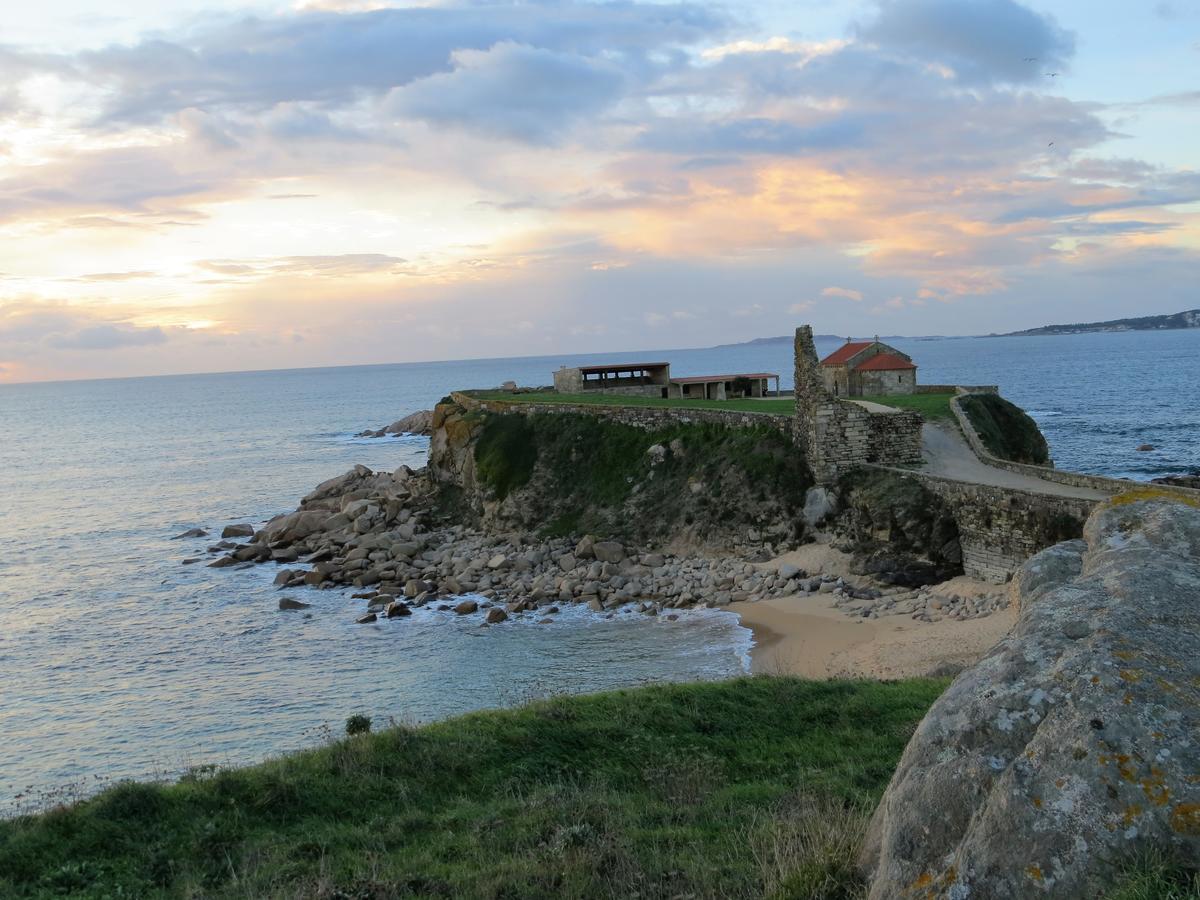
999, 528
648, 418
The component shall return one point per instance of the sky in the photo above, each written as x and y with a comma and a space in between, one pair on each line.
231, 186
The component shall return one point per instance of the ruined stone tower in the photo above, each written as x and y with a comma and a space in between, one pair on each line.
838, 435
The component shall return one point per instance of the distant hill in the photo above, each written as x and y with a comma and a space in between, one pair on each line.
1188, 319
787, 339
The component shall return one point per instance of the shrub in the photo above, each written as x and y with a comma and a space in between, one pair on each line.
358, 724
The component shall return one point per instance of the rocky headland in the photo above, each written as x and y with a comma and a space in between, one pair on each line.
511, 519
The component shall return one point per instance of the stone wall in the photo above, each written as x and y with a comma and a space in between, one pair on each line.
648, 418
886, 384
999, 528
957, 389
571, 381
838, 434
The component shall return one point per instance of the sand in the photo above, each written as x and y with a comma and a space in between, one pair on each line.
809, 636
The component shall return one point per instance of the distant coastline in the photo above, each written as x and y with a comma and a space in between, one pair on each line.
1173, 322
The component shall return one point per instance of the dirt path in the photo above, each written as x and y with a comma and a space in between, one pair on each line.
947, 455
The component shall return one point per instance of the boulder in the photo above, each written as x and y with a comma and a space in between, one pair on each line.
466, 607
289, 603
222, 562
420, 422
1070, 750
819, 504
191, 533
396, 610
787, 570
366, 619
237, 531
608, 551
495, 615
584, 549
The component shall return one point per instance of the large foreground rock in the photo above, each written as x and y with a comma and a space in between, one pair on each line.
1074, 746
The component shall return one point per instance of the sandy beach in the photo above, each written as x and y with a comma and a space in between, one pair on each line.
807, 635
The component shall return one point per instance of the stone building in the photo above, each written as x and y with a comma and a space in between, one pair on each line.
638, 379
724, 387
868, 369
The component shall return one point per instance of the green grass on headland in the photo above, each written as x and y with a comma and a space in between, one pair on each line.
748, 788
779, 406
933, 407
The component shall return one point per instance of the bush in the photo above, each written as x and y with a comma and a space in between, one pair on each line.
358, 724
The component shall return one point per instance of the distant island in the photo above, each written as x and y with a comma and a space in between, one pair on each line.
788, 339
1175, 321
1188, 319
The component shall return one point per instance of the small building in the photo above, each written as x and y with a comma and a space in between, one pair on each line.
641, 379
723, 387
868, 369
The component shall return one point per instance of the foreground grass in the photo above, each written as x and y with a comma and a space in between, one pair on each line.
932, 406
747, 788
778, 406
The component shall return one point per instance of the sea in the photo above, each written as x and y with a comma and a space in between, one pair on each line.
120, 659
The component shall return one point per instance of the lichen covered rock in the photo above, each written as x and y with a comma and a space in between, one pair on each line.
1073, 747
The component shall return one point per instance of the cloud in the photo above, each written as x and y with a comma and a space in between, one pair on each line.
335, 57
513, 91
847, 293
342, 265
980, 41
107, 337
27, 328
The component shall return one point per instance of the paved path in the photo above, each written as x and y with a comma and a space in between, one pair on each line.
947, 454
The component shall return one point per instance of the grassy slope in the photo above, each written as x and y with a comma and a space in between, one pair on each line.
746, 788
1005, 429
596, 476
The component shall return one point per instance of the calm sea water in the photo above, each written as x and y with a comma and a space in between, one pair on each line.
118, 661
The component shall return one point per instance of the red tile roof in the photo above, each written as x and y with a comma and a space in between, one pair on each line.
843, 353
886, 362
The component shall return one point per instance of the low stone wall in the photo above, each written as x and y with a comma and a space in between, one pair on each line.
999, 528
1057, 476
648, 418
957, 389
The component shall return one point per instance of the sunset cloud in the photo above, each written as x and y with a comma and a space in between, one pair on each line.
378, 182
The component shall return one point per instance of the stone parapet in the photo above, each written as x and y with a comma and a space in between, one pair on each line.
648, 418
1056, 476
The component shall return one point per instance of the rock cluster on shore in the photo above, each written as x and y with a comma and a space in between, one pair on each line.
923, 605
420, 422
381, 533
378, 531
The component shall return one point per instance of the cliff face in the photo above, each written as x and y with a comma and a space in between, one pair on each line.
1071, 749
688, 484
